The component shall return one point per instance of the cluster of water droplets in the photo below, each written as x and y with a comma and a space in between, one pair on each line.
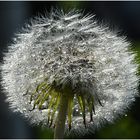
71, 45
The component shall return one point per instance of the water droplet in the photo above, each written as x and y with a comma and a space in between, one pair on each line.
64, 52
18, 109
24, 109
103, 101
15, 39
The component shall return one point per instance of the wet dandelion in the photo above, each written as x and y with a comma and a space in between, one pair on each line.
67, 72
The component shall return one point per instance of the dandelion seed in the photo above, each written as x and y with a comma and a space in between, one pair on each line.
69, 56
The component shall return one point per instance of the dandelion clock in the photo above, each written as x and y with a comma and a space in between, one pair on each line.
66, 72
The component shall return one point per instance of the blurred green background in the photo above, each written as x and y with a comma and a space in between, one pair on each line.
124, 16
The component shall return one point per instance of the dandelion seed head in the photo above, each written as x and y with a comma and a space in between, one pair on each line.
69, 52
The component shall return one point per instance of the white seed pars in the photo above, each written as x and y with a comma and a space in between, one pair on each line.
72, 46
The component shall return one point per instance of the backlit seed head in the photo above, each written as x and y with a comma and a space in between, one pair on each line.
69, 54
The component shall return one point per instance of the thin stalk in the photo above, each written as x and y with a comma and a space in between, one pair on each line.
61, 118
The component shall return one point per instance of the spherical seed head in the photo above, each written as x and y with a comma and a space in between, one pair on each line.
69, 54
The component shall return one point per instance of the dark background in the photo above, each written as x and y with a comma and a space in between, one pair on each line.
124, 16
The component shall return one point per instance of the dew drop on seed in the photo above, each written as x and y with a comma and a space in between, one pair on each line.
15, 39
103, 101
76, 110
24, 109
18, 109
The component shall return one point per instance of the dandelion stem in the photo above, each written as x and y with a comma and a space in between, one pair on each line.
61, 118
